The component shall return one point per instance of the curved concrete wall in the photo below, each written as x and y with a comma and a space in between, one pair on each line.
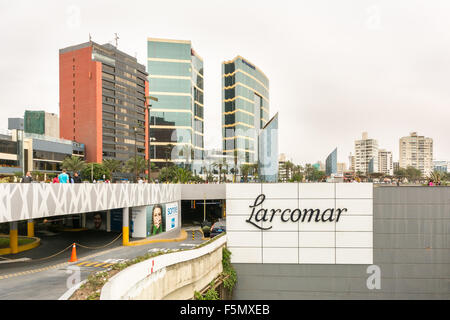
170, 276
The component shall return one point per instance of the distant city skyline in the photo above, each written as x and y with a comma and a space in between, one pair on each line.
336, 69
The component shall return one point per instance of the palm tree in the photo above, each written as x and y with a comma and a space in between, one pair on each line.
435, 176
245, 170
73, 164
235, 165
183, 175
220, 165
186, 151
113, 166
136, 164
167, 152
254, 168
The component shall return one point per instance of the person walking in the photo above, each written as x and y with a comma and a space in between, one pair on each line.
63, 177
27, 178
55, 180
76, 178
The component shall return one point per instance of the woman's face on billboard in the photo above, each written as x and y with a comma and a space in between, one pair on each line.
157, 217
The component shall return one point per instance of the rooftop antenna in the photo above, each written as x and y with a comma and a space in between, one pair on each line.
90, 38
116, 38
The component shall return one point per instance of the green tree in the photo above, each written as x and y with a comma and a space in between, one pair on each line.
245, 171
183, 175
167, 174
97, 169
400, 173
113, 166
73, 164
136, 165
413, 174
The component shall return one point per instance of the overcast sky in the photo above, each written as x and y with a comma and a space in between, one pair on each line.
336, 68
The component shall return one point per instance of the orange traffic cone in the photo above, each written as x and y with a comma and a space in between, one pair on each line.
73, 257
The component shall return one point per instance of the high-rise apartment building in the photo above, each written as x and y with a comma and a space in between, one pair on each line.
416, 151
245, 108
385, 163
176, 119
351, 162
366, 155
103, 101
341, 168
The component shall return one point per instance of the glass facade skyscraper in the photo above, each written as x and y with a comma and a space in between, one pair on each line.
245, 108
331, 163
176, 119
268, 151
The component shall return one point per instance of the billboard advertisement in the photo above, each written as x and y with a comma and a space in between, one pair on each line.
171, 216
96, 221
156, 219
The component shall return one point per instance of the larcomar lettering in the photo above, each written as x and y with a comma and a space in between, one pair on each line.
290, 215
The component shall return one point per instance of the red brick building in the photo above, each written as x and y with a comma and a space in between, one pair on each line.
103, 101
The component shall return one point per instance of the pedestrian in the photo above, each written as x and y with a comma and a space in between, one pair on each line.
63, 177
55, 179
27, 178
76, 178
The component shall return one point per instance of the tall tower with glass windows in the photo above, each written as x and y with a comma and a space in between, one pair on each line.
245, 109
176, 119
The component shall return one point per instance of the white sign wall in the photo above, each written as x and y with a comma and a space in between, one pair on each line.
300, 223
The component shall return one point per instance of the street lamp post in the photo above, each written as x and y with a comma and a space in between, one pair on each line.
135, 154
149, 138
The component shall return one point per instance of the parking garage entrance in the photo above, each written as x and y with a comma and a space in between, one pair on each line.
195, 212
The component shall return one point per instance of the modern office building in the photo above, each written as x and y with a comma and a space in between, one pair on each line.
245, 108
41, 122
441, 166
103, 101
176, 119
366, 155
331, 163
43, 154
417, 152
385, 163
268, 151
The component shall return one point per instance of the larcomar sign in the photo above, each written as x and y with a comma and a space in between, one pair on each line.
303, 223
288, 215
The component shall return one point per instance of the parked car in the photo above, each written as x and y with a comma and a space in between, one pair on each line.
218, 227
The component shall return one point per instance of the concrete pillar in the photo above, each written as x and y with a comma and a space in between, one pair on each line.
13, 237
83, 220
30, 228
108, 221
125, 226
